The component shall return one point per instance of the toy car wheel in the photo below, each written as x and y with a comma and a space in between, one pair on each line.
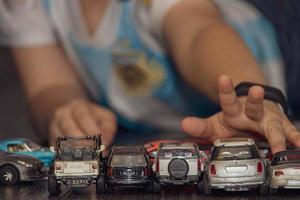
206, 188
53, 186
9, 175
101, 185
200, 186
178, 168
264, 189
273, 190
148, 188
156, 187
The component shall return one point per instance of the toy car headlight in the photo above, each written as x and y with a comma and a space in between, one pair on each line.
25, 163
94, 166
58, 166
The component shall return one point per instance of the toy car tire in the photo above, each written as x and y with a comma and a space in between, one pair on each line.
148, 188
175, 164
101, 185
53, 186
156, 187
200, 187
263, 190
9, 175
273, 190
206, 188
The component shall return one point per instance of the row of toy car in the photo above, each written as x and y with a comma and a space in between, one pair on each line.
233, 164
78, 164
237, 164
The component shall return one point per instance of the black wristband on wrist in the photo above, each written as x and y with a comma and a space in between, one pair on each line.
271, 93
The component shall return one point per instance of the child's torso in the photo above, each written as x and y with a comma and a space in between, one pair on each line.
125, 65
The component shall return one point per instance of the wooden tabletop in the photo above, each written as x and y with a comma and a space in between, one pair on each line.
38, 191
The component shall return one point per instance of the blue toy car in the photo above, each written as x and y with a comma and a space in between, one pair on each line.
27, 147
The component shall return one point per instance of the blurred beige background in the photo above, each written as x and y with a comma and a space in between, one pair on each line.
14, 119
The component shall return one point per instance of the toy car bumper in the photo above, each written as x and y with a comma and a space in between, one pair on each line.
76, 181
128, 182
285, 183
236, 184
167, 180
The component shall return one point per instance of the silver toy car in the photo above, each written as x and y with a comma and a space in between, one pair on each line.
284, 171
235, 164
15, 168
179, 164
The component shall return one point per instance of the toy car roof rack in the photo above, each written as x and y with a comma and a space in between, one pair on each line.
88, 137
96, 137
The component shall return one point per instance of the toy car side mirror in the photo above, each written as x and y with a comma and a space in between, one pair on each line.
267, 161
102, 147
203, 155
152, 155
52, 149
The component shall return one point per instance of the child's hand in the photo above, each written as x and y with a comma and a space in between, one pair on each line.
82, 117
240, 115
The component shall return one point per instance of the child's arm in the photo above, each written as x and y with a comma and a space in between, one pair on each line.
204, 47
57, 99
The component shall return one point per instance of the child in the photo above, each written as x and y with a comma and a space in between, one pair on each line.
146, 64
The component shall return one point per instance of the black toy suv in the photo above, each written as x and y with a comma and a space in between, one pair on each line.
130, 166
78, 163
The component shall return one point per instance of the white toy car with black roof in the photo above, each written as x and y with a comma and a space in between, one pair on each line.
78, 162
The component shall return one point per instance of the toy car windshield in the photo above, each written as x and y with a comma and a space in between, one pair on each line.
235, 153
285, 157
185, 153
128, 160
33, 146
27, 146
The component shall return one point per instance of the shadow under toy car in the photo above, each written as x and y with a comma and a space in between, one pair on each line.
78, 163
15, 168
235, 164
178, 164
284, 171
130, 166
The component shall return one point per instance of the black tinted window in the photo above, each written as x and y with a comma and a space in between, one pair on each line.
286, 158
235, 153
128, 160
